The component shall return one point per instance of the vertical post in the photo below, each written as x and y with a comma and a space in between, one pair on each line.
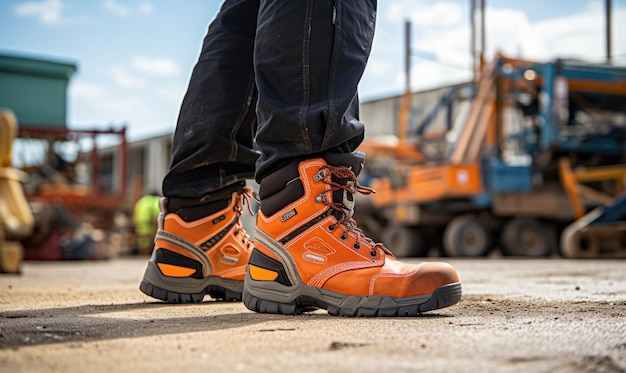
407, 55
608, 31
96, 189
482, 34
123, 187
403, 117
473, 38
546, 107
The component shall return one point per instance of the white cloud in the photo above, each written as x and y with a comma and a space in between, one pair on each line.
48, 12
108, 105
442, 31
437, 14
580, 35
122, 10
440, 46
116, 8
145, 8
156, 66
172, 93
377, 68
123, 79
87, 91
95, 101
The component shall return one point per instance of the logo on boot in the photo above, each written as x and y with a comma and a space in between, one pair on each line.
288, 215
316, 251
310, 257
230, 255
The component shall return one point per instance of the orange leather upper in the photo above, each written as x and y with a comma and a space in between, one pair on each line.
339, 259
228, 256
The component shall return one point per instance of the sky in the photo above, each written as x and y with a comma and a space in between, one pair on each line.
135, 57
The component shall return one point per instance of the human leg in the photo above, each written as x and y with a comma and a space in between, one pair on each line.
212, 145
201, 247
309, 58
309, 252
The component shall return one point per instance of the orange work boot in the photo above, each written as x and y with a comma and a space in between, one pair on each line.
193, 258
309, 254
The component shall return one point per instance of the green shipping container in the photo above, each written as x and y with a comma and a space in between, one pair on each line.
35, 90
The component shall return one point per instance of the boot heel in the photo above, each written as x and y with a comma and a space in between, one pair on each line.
267, 306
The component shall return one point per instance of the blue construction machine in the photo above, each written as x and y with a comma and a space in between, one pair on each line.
529, 158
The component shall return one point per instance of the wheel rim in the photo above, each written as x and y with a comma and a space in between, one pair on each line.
473, 240
528, 237
466, 236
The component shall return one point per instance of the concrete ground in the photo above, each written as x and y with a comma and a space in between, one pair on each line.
516, 316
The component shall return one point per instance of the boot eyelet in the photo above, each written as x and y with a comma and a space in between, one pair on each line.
357, 246
343, 237
373, 254
318, 176
331, 228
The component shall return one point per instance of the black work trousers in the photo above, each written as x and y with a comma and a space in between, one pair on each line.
276, 80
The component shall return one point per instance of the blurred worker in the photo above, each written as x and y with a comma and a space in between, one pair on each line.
274, 95
145, 216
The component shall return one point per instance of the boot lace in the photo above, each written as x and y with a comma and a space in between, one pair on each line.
243, 199
349, 185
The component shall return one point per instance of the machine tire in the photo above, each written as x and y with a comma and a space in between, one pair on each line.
405, 241
528, 237
466, 236
578, 245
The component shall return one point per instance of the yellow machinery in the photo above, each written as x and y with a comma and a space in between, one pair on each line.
601, 231
16, 219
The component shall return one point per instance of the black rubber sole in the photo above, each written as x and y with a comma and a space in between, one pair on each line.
215, 292
186, 289
442, 297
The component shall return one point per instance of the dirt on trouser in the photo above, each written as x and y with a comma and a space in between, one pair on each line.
548, 315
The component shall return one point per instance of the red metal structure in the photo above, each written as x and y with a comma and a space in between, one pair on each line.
90, 197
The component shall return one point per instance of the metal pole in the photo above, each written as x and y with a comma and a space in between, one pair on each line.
608, 31
407, 55
473, 37
482, 34
405, 106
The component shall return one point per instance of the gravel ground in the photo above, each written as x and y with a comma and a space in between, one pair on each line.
516, 315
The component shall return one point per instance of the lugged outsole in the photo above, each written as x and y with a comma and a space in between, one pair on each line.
215, 292
188, 290
442, 297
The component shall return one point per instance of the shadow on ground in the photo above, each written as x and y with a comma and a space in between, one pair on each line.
93, 322
22, 328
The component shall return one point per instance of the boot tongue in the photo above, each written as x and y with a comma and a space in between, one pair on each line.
353, 162
345, 197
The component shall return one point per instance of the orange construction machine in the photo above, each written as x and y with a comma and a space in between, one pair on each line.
537, 147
